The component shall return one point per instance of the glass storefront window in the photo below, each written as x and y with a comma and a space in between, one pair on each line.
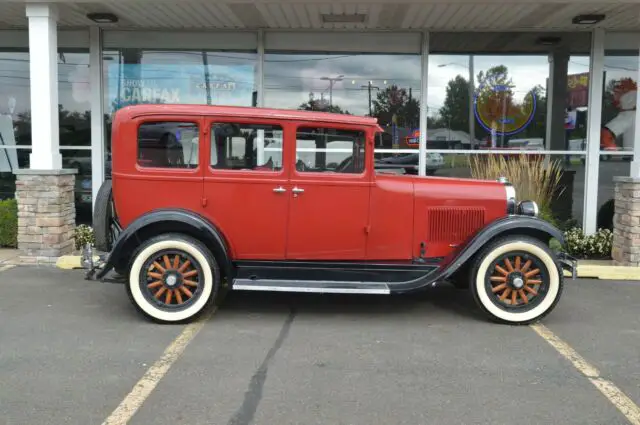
508, 110
618, 127
137, 76
74, 119
385, 86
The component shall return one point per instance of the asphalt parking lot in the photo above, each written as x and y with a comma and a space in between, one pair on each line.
73, 351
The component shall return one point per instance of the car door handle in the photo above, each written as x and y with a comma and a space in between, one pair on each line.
279, 189
297, 190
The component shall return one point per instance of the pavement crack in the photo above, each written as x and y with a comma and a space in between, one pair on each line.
244, 415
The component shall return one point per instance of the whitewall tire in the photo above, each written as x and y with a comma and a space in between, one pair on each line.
516, 280
173, 278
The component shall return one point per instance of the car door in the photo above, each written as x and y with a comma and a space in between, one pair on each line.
161, 168
246, 188
330, 187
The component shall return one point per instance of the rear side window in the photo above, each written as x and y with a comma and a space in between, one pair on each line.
330, 150
168, 144
236, 146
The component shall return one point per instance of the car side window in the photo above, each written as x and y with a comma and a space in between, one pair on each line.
168, 144
236, 146
330, 150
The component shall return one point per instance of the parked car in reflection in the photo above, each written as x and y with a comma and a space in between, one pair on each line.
409, 163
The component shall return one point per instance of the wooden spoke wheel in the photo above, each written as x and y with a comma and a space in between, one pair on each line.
516, 280
172, 278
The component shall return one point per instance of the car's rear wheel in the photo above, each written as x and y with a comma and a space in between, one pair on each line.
173, 278
516, 280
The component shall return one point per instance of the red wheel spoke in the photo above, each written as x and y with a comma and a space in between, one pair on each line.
499, 288
155, 284
532, 273
517, 266
167, 299
534, 282
154, 275
530, 290
501, 270
187, 292
498, 279
178, 296
167, 263
160, 292
159, 267
189, 274
176, 261
514, 294
523, 296
190, 283
508, 264
184, 266
526, 266
505, 294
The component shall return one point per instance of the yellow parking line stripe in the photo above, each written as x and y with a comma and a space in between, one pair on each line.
614, 394
143, 388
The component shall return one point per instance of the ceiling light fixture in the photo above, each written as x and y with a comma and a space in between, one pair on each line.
588, 19
343, 19
103, 18
548, 40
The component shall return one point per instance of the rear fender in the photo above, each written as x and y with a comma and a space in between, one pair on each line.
511, 225
167, 221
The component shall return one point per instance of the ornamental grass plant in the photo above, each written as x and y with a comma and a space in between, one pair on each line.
532, 176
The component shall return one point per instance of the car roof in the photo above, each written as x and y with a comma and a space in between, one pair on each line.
133, 111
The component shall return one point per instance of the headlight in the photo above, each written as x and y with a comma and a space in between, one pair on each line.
529, 208
511, 198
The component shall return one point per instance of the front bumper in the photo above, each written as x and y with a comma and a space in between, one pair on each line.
568, 263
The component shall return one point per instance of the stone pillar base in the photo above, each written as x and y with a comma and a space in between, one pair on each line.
46, 213
626, 222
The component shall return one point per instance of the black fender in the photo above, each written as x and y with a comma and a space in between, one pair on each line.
510, 225
168, 221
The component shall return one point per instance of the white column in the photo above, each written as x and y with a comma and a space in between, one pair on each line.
594, 123
260, 69
550, 85
97, 110
472, 115
424, 84
635, 164
43, 65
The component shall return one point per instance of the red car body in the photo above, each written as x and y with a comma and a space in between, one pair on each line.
177, 230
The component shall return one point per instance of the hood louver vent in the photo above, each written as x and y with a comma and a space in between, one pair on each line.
453, 224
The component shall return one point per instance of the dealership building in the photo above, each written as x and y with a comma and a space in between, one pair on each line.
427, 69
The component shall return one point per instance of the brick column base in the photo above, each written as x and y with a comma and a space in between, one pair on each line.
46, 213
626, 222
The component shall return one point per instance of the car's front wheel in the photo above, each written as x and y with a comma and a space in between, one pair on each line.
173, 278
516, 280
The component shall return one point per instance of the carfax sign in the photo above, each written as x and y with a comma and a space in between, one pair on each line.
133, 84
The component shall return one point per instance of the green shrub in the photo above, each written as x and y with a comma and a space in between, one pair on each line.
83, 235
8, 223
597, 245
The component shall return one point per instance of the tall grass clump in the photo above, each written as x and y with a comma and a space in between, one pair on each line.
533, 177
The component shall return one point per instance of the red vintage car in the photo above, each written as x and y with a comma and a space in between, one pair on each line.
205, 198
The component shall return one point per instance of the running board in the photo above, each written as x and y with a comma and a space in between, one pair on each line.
311, 286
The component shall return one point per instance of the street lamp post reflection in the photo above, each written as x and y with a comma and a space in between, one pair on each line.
472, 126
332, 81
